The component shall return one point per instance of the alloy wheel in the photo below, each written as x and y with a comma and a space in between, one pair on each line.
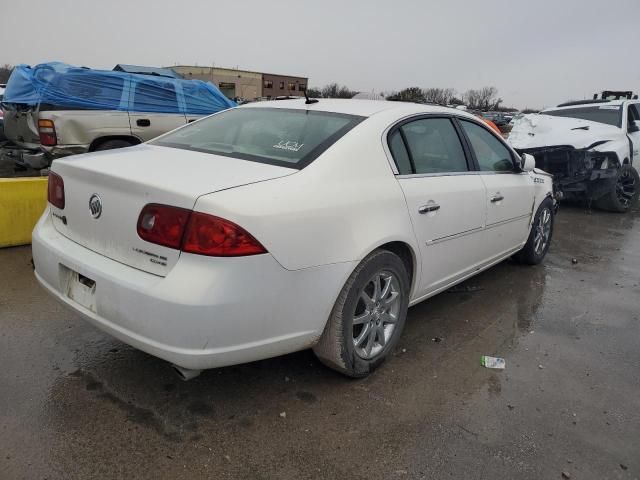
376, 314
542, 232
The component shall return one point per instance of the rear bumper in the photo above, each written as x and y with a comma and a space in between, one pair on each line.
59, 151
41, 158
206, 313
24, 157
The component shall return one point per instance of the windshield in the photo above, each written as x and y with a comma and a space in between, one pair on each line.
277, 136
609, 114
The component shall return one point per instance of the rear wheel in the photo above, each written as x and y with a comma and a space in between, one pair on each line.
539, 239
112, 144
624, 193
368, 316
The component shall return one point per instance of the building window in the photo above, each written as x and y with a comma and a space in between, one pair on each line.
302, 87
281, 85
292, 86
268, 84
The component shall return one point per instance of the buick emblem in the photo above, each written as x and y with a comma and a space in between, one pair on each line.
95, 205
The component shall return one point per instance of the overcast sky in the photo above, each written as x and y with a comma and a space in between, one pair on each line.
536, 52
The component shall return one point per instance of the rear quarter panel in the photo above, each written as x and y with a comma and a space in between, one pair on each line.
81, 127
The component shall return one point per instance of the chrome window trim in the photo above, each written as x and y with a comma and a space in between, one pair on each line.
392, 162
455, 174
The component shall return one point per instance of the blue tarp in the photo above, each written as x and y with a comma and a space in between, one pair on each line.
67, 86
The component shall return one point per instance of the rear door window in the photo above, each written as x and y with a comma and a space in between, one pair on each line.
155, 96
400, 153
86, 90
433, 147
278, 136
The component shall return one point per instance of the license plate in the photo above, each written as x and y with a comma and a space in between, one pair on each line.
79, 288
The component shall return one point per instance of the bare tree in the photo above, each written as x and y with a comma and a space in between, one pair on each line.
411, 94
5, 72
314, 92
484, 99
334, 90
442, 96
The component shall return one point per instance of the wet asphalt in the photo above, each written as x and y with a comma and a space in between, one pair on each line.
75, 403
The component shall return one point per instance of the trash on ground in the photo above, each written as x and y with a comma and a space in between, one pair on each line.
566, 475
574, 260
283, 414
492, 362
436, 339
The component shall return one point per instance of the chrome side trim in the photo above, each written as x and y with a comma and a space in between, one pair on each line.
509, 220
455, 235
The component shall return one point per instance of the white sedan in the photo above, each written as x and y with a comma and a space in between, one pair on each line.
280, 226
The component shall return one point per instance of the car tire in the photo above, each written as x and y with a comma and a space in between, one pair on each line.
113, 144
540, 235
367, 320
624, 193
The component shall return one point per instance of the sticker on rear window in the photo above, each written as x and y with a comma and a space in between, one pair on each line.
289, 145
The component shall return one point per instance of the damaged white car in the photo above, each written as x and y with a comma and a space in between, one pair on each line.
279, 226
589, 147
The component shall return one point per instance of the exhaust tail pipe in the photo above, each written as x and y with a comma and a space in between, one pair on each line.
185, 373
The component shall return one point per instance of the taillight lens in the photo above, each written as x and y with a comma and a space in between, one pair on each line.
55, 190
162, 224
217, 237
47, 131
195, 232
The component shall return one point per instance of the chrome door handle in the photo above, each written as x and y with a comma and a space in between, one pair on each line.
432, 207
497, 197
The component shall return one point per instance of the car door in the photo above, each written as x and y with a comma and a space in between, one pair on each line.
154, 108
633, 131
510, 192
444, 197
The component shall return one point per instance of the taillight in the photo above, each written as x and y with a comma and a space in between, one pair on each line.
195, 232
47, 131
55, 190
217, 237
162, 224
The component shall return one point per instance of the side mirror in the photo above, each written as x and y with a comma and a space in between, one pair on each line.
528, 162
634, 126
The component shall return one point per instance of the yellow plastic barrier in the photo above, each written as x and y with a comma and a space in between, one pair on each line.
22, 201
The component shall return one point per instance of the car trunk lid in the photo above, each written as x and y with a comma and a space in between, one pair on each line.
126, 180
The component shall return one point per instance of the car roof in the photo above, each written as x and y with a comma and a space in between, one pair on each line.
363, 108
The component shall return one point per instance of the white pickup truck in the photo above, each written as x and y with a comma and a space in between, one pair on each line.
589, 147
82, 110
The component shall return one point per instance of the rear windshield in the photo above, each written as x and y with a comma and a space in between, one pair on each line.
277, 136
609, 114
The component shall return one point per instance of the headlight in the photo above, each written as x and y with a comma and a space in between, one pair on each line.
600, 161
